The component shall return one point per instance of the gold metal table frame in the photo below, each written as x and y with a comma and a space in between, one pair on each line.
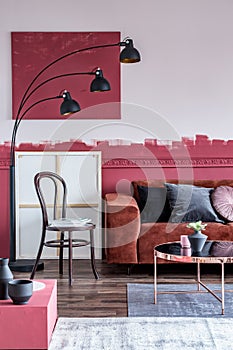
160, 252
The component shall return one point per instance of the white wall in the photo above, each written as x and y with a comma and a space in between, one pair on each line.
182, 87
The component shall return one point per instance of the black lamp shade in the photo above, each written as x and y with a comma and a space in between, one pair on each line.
129, 54
69, 106
99, 83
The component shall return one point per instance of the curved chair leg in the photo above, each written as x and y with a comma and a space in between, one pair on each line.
70, 258
61, 254
93, 255
38, 255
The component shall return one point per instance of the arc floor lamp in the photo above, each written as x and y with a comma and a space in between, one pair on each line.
128, 55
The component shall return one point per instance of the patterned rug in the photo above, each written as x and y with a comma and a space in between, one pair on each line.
140, 333
141, 301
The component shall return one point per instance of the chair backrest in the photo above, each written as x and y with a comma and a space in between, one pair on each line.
57, 182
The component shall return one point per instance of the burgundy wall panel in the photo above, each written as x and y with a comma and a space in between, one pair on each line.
32, 51
186, 160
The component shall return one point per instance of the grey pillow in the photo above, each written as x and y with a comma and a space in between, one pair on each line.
190, 203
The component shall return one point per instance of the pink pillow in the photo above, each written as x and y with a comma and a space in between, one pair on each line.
222, 200
222, 249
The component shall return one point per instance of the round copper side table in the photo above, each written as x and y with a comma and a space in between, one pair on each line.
171, 251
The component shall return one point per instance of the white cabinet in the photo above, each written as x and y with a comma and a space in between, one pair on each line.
82, 173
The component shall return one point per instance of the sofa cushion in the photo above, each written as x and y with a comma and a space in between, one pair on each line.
222, 199
190, 203
153, 204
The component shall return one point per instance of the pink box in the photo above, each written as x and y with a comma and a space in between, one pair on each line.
184, 241
29, 326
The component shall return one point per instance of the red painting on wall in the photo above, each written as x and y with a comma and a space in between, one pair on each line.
32, 51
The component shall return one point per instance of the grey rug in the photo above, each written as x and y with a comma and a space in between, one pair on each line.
140, 333
141, 301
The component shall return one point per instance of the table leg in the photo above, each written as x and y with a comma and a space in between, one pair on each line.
198, 277
155, 278
70, 258
223, 306
93, 255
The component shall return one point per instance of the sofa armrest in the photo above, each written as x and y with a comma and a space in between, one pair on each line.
122, 227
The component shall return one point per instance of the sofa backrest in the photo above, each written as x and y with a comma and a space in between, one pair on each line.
160, 183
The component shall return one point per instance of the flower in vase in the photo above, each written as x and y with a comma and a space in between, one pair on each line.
197, 226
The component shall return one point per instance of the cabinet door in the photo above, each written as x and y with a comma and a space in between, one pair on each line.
82, 173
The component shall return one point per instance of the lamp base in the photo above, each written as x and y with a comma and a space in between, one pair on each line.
25, 265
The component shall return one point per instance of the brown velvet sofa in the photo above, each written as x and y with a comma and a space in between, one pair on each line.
128, 241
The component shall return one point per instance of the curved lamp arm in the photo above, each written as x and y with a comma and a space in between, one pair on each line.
19, 118
128, 44
48, 80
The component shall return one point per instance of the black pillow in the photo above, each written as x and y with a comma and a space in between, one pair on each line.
190, 203
153, 204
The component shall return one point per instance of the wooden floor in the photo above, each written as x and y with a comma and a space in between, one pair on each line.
107, 297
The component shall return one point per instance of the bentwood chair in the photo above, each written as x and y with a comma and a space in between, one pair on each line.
60, 223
